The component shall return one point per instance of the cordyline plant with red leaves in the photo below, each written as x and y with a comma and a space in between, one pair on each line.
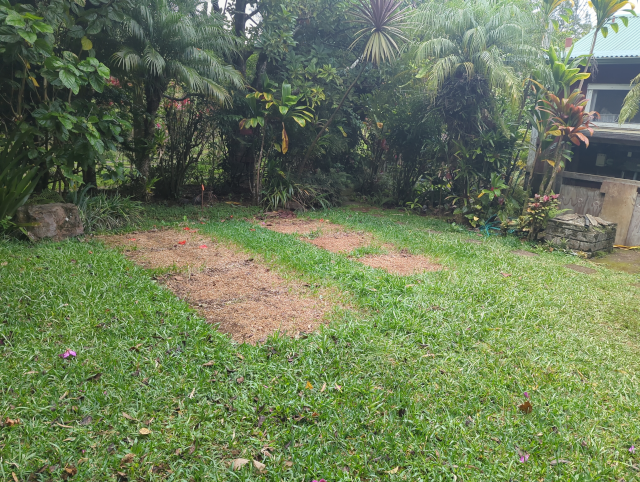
568, 121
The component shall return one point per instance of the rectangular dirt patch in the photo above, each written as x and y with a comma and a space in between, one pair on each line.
228, 288
403, 264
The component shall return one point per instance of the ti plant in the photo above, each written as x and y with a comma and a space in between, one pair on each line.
565, 69
266, 106
568, 121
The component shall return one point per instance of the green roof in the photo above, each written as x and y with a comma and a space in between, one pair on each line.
625, 43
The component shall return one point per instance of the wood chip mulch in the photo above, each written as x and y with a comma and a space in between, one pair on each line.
402, 264
334, 238
229, 288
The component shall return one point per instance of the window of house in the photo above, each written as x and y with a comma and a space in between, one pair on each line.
607, 100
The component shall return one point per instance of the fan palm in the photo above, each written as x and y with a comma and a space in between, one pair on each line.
382, 22
165, 42
477, 41
604, 11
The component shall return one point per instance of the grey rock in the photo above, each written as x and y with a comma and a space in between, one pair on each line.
56, 221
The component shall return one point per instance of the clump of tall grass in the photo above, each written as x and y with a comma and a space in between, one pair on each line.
104, 212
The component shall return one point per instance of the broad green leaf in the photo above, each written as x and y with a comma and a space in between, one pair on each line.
605, 31
299, 120
68, 79
86, 43
283, 110
104, 71
43, 27
15, 19
614, 27
28, 36
625, 21
93, 119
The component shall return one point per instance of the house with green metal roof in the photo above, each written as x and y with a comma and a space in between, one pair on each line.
604, 179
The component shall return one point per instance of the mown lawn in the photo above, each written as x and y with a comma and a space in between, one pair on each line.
422, 375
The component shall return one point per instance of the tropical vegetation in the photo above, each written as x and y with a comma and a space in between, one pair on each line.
419, 104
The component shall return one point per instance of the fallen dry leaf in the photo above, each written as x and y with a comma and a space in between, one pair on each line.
239, 380
15, 477
11, 422
86, 420
68, 472
144, 431
260, 467
506, 275
288, 463
209, 364
560, 461
127, 416
127, 459
308, 386
237, 464
83, 461
240, 356
324, 387
393, 471
526, 407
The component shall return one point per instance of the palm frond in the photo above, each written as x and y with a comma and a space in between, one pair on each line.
631, 102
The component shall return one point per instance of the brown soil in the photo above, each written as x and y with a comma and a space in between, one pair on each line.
520, 252
342, 242
402, 264
301, 226
334, 238
228, 288
580, 269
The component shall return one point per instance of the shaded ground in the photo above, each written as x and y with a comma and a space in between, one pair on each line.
621, 260
244, 297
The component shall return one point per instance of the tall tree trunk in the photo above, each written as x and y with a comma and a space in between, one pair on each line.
257, 192
326, 126
145, 139
593, 46
556, 167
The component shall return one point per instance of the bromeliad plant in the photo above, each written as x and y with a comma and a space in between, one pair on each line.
568, 121
266, 107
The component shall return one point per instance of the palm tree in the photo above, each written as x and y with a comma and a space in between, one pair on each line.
172, 43
474, 42
382, 22
604, 11
631, 102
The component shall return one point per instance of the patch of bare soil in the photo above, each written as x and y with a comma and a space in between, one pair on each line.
334, 238
342, 242
580, 269
521, 252
401, 263
300, 226
244, 297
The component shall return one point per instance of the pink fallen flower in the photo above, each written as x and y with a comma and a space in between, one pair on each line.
67, 354
203, 246
526, 394
632, 449
524, 456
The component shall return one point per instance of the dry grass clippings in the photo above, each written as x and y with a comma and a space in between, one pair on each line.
401, 263
243, 296
334, 238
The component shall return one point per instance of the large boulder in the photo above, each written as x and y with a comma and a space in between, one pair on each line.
56, 221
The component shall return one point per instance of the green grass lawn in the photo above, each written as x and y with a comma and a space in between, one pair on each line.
423, 374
